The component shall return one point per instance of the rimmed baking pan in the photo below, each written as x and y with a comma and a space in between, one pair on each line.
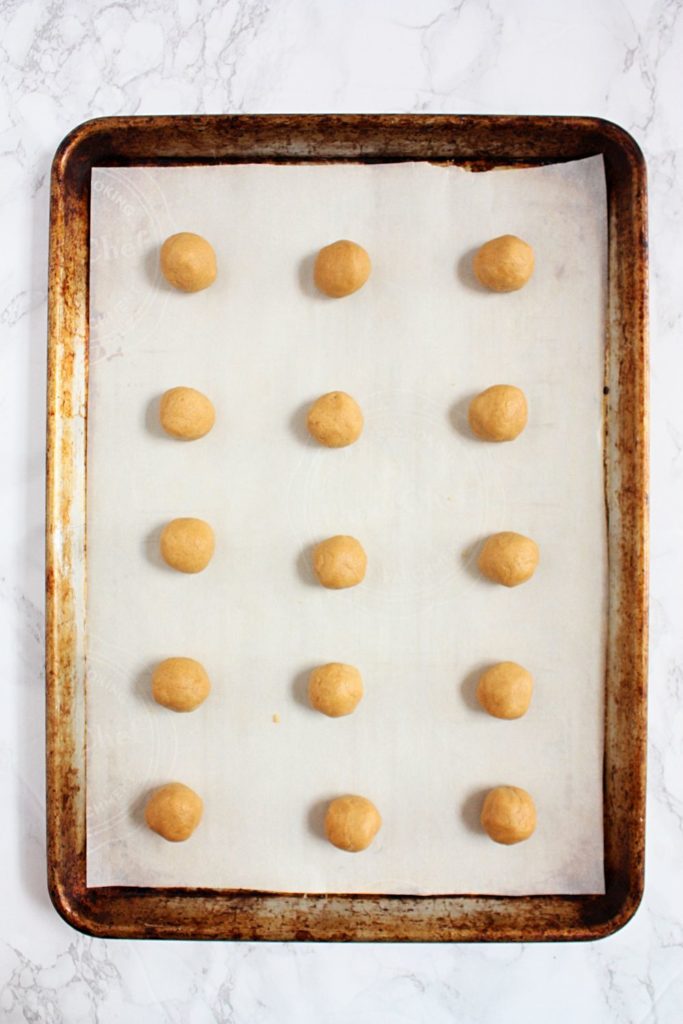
478, 143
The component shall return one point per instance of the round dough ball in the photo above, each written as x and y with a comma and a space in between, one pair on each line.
186, 414
508, 558
180, 684
352, 822
339, 562
174, 811
504, 690
187, 544
499, 413
335, 420
508, 815
341, 268
335, 689
188, 262
504, 264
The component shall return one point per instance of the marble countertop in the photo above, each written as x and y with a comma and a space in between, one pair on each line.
67, 61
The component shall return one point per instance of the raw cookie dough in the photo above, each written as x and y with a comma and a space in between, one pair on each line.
174, 811
352, 822
335, 689
508, 558
504, 690
339, 562
335, 420
508, 815
499, 413
180, 684
504, 264
188, 262
187, 544
186, 414
341, 268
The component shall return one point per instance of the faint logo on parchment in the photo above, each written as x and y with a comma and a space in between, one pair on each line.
131, 745
127, 291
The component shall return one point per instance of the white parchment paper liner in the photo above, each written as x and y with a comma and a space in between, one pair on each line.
417, 490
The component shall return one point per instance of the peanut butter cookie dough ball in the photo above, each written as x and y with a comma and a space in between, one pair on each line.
499, 413
335, 420
174, 811
180, 684
186, 414
335, 689
188, 262
341, 268
504, 264
352, 822
339, 562
508, 558
504, 690
508, 815
187, 544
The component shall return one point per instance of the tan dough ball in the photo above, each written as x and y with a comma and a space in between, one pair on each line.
335, 420
504, 690
508, 815
504, 264
499, 413
352, 822
188, 262
187, 544
339, 562
508, 558
341, 268
186, 414
335, 689
180, 684
174, 811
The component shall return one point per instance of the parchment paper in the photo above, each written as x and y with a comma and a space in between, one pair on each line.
417, 490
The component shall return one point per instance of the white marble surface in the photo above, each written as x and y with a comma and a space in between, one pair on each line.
63, 62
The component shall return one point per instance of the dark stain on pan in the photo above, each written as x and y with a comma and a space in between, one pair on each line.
478, 143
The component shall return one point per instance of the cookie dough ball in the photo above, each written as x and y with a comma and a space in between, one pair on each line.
499, 413
335, 420
335, 689
504, 690
508, 558
339, 562
180, 684
186, 414
174, 811
508, 815
341, 269
188, 262
187, 544
352, 822
504, 264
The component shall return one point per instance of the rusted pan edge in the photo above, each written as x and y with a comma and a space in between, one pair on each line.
627, 494
65, 540
478, 142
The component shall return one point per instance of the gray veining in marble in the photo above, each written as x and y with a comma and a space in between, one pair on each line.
62, 62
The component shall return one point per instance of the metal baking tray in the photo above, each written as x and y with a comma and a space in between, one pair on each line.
478, 143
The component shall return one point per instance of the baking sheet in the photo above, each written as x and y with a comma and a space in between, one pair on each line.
419, 493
